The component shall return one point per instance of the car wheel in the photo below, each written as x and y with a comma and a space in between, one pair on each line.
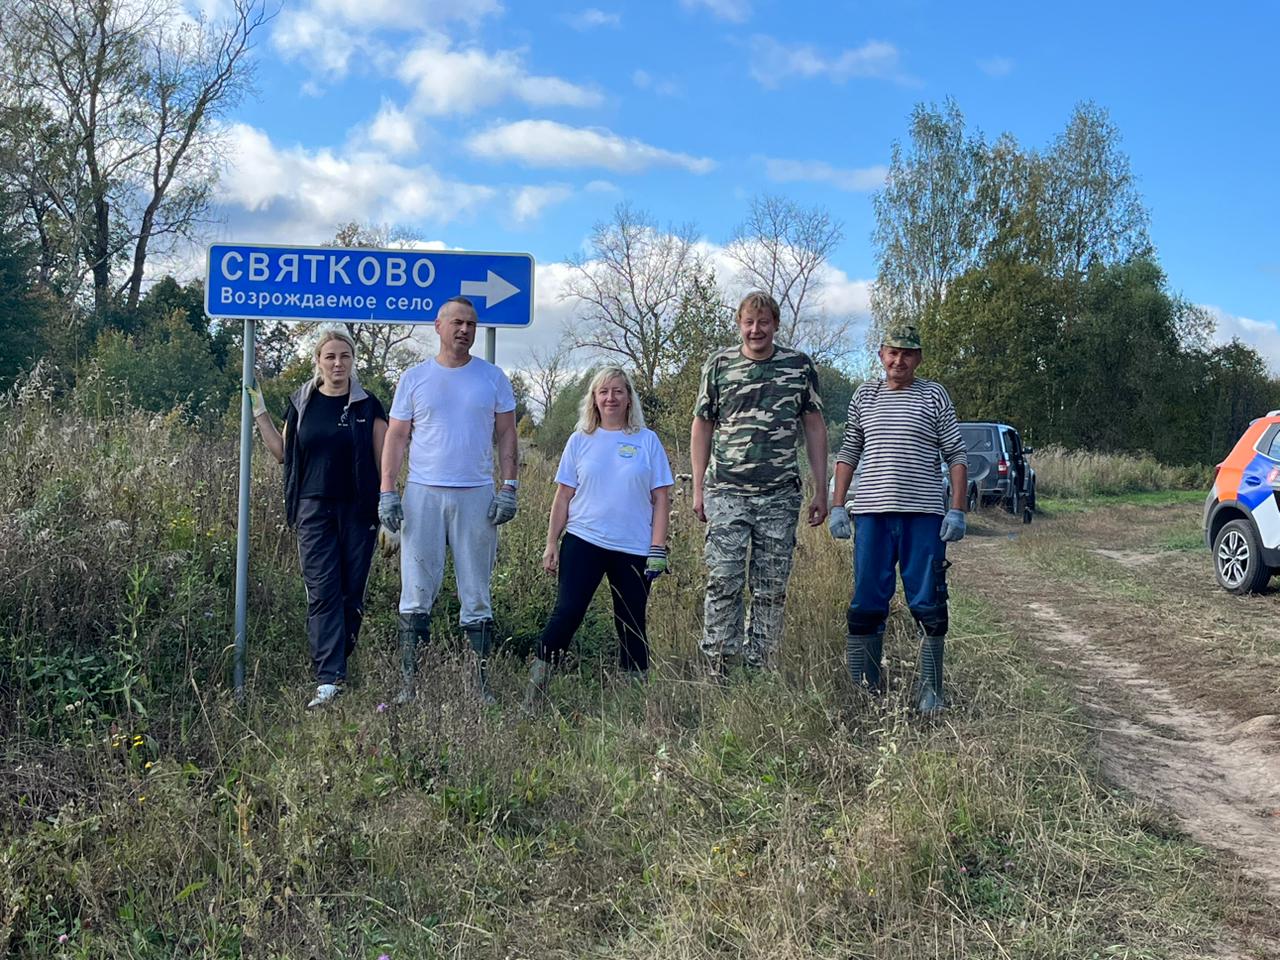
973, 500
1237, 559
1031, 497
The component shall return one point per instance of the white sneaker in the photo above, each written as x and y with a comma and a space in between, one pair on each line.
325, 693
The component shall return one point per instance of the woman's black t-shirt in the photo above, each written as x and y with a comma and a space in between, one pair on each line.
325, 446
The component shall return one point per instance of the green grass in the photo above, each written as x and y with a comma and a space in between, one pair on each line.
148, 816
1146, 498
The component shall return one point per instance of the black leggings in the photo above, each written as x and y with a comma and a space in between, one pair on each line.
582, 564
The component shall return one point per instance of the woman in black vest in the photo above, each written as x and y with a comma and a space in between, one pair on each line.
331, 450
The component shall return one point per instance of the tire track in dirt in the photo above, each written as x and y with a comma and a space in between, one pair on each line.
1220, 776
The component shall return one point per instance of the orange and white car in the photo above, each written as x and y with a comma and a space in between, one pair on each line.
1242, 512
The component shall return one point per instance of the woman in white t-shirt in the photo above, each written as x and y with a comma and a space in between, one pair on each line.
613, 497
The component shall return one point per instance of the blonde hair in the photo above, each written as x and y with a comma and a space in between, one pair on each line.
589, 413
326, 333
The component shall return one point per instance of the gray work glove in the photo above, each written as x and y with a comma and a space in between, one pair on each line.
390, 510
839, 524
503, 507
953, 526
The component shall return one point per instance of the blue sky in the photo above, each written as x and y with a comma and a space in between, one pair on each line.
496, 125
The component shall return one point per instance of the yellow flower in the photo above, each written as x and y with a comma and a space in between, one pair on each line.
142, 798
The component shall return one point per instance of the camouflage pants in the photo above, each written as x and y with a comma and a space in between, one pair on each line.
749, 537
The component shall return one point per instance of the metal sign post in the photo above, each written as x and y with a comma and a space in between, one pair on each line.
357, 285
242, 519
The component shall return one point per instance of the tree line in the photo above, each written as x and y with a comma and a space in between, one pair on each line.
1040, 296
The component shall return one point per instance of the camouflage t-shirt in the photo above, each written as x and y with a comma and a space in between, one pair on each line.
755, 407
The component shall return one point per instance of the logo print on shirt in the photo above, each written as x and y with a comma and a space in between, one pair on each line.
627, 450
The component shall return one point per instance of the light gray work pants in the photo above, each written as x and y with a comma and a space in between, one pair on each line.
456, 517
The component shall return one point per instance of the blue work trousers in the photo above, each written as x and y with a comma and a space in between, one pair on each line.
885, 543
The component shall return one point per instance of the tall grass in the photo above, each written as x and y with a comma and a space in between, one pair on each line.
1082, 473
146, 815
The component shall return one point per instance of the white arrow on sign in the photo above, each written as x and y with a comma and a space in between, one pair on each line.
493, 288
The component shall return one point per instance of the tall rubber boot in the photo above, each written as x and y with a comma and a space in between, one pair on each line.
535, 692
415, 632
864, 654
929, 700
480, 634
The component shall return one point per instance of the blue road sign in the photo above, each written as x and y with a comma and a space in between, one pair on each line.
269, 282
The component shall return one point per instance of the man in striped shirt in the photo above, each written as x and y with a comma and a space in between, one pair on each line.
899, 429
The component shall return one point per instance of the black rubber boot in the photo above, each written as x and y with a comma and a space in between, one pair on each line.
415, 632
535, 691
864, 654
480, 634
929, 700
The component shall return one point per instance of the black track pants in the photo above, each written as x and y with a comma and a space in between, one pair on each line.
582, 565
335, 549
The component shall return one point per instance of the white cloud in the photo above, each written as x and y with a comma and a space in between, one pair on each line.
735, 11
449, 81
852, 179
327, 34
527, 203
644, 80
545, 143
996, 66
295, 195
772, 62
1262, 335
393, 129
591, 18
326, 47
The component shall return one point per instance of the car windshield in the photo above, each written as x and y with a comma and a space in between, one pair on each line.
976, 439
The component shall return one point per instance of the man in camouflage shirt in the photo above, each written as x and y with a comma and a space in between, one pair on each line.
753, 403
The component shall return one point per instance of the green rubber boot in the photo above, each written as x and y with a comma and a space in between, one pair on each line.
864, 654
929, 699
535, 692
480, 634
415, 632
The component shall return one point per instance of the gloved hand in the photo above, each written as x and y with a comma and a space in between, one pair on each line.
258, 404
953, 526
388, 541
390, 510
839, 524
503, 507
656, 565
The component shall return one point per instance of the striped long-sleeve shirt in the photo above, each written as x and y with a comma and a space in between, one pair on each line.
900, 438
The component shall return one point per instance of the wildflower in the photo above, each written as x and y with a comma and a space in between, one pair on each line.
383, 956
63, 938
148, 765
142, 798
382, 708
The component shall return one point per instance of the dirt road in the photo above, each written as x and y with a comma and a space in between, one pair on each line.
1181, 679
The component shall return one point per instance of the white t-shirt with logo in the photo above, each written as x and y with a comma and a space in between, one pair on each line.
452, 409
613, 474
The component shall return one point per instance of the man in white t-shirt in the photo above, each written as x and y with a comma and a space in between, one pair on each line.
445, 412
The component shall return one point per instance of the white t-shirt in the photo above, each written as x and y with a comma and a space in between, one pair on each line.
613, 474
452, 410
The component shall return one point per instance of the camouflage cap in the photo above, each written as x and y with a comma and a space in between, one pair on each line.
904, 336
